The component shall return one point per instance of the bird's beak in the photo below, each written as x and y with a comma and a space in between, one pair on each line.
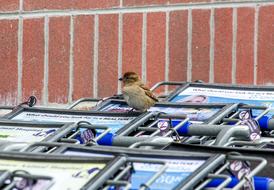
120, 79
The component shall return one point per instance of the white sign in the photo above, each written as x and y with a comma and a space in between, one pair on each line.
230, 93
86, 154
114, 123
24, 134
66, 176
176, 172
64, 118
173, 165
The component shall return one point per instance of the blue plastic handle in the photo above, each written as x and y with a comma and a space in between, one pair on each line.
106, 140
263, 122
261, 183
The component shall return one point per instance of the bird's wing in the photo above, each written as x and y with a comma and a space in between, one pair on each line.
148, 92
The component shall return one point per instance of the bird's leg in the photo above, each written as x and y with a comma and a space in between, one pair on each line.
131, 110
134, 110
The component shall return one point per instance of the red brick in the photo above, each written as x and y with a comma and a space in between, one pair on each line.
69, 4
159, 2
47, 4
245, 46
223, 46
59, 43
178, 46
34, 5
10, 5
132, 43
33, 58
96, 4
156, 36
143, 2
8, 60
108, 55
187, 1
200, 44
83, 57
266, 45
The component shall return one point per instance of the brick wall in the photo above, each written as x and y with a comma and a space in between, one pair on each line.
62, 50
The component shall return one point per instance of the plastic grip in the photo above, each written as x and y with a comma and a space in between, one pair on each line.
263, 122
261, 183
106, 140
182, 130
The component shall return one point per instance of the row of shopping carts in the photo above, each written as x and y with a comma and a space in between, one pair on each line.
199, 136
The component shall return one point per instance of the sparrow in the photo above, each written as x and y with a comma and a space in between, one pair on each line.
135, 93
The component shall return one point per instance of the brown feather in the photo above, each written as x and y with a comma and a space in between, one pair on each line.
148, 92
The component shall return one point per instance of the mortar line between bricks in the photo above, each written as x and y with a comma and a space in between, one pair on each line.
120, 51
167, 60
212, 45
189, 46
144, 48
117, 10
255, 51
46, 60
71, 59
20, 52
21, 5
95, 56
234, 46
20, 59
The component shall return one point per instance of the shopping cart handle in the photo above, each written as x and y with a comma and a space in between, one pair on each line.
266, 123
106, 139
261, 183
114, 140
